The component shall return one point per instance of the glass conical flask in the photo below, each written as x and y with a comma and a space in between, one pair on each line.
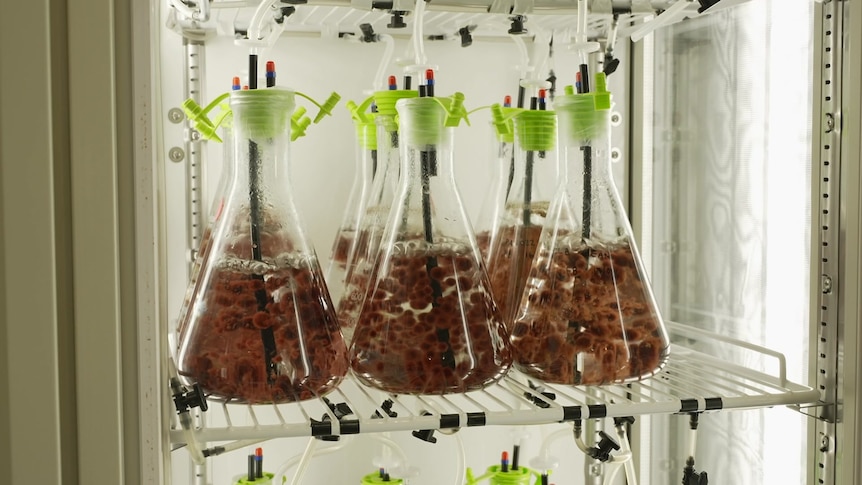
534, 182
225, 122
488, 219
347, 238
372, 222
587, 314
260, 327
429, 324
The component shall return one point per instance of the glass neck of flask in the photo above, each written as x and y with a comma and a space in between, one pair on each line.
585, 144
427, 182
261, 146
388, 164
366, 154
534, 173
427, 161
387, 140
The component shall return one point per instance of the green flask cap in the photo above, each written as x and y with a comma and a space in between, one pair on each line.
496, 476
536, 130
266, 112
386, 100
366, 129
259, 122
428, 117
586, 113
265, 480
376, 479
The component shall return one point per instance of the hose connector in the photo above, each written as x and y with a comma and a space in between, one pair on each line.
327, 107
299, 123
456, 111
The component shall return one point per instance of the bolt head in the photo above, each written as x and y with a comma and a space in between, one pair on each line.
175, 115
176, 154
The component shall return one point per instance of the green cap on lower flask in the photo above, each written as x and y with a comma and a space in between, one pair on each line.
266, 479
380, 478
496, 476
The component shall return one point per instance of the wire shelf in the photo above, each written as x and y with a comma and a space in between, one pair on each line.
443, 21
438, 25
691, 381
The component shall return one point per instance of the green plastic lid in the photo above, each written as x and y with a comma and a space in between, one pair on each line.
496, 476
366, 128
366, 132
376, 479
586, 114
265, 480
427, 117
264, 112
386, 100
536, 130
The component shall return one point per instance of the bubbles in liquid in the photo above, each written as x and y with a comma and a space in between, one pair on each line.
587, 317
430, 326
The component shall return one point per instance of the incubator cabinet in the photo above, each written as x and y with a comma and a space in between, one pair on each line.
540, 242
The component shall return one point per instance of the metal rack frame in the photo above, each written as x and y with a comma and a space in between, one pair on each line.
149, 458
691, 381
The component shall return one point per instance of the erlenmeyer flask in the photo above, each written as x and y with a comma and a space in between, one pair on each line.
372, 222
226, 177
488, 218
429, 324
587, 314
260, 327
534, 182
225, 123
347, 237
